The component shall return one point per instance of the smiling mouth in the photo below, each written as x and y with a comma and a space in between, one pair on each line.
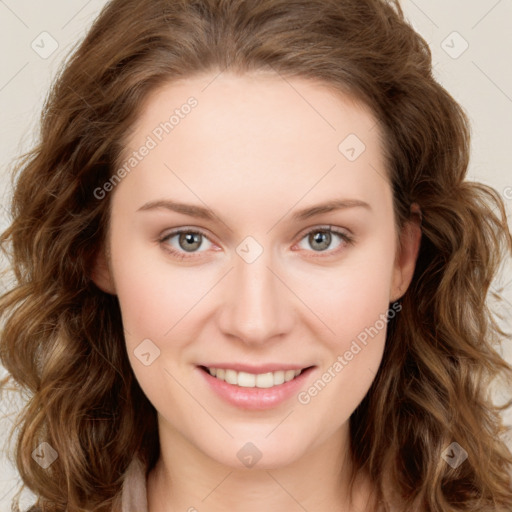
251, 380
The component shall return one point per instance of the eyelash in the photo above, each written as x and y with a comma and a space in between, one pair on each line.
347, 239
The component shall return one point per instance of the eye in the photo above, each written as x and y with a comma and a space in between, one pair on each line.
321, 238
186, 241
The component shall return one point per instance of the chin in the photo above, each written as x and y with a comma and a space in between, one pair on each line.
257, 452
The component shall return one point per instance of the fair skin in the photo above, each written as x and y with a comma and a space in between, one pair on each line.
254, 151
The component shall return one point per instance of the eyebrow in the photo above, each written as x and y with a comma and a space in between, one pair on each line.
207, 214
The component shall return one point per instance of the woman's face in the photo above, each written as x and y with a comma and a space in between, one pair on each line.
262, 168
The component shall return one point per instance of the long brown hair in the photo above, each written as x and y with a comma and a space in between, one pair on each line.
62, 340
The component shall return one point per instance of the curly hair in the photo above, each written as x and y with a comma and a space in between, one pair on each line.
62, 341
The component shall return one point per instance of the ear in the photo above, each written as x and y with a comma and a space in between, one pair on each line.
407, 254
101, 274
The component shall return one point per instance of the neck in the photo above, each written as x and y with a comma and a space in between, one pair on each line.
186, 479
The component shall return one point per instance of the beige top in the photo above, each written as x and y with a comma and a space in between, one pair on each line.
134, 495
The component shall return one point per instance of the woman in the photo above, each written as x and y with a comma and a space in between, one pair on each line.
250, 274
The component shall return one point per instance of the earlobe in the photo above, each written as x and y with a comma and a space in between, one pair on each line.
101, 274
407, 255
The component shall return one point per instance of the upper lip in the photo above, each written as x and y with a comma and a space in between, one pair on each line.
264, 368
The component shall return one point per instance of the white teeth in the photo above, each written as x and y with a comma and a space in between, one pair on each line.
231, 377
265, 380
246, 380
278, 378
251, 380
288, 375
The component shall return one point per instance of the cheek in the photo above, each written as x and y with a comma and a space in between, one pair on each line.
357, 318
158, 303
153, 294
353, 296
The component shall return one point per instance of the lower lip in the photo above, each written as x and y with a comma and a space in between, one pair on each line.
257, 399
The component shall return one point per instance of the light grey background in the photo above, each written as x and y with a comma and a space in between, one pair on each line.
479, 77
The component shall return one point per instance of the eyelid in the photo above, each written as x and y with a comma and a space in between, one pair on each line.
183, 229
325, 227
177, 231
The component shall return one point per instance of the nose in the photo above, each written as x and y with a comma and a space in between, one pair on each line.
257, 307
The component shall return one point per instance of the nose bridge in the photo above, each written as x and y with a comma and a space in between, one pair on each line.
255, 308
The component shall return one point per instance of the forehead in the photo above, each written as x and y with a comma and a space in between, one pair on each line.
261, 103
256, 132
